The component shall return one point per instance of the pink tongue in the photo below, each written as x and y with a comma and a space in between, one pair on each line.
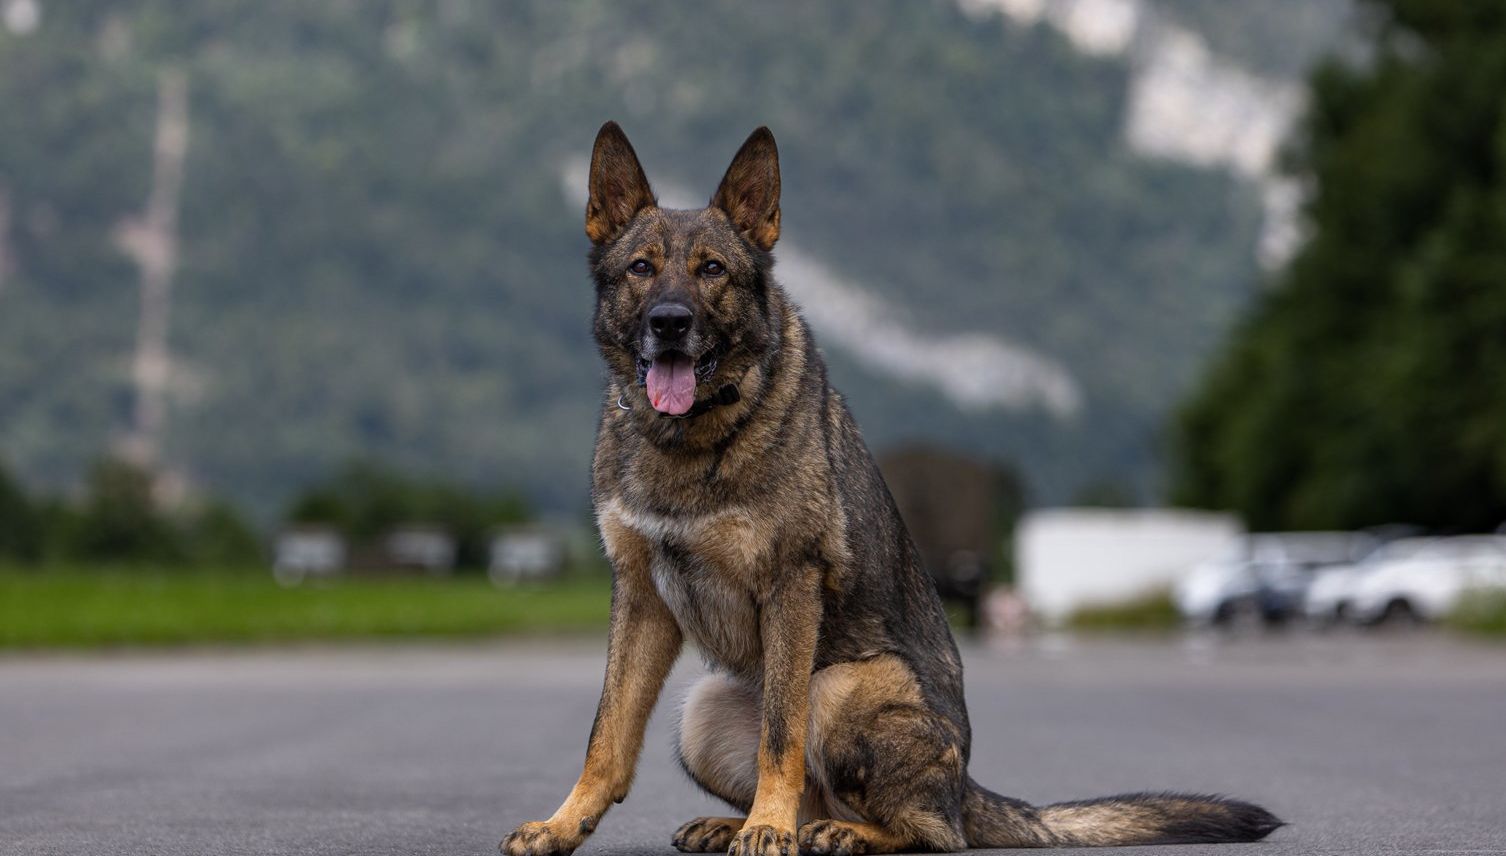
671, 384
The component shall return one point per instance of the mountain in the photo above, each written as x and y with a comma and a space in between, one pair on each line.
379, 248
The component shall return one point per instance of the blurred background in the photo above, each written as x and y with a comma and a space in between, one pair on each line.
294, 313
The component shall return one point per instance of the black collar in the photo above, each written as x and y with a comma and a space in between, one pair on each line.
728, 394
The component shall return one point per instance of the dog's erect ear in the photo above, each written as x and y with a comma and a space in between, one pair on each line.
619, 189
749, 192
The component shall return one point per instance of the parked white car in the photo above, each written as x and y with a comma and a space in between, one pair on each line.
1217, 592
1429, 583
307, 552
1330, 596
1265, 577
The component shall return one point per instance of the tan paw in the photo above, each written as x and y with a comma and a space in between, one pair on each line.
763, 841
707, 834
831, 838
539, 839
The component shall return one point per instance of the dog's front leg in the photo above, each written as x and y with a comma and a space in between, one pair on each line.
643, 645
788, 623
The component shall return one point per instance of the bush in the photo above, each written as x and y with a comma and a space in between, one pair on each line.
1151, 611
20, 534
366, 500
1482, 612
216, 534
119, 520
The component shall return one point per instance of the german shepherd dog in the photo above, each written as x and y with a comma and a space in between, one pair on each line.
740, 510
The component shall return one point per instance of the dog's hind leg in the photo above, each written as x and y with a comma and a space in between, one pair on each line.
884, 772
890, 769
718, 739
718, 748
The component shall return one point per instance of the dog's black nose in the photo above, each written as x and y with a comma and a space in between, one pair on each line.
670, 321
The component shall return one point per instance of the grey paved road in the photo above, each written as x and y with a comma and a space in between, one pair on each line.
1364, 745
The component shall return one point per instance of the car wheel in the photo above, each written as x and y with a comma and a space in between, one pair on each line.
1239, 616
1400, 613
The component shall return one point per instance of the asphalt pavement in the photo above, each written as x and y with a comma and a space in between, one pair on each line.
1364, 745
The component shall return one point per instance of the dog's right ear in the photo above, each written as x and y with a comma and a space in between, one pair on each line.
619, 189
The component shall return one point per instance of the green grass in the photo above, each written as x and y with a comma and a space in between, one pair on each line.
1483, 613
1153, 612
78, 608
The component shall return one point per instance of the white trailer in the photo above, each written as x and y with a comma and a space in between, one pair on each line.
1068, 558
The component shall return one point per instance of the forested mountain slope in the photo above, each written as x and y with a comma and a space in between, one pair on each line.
379, 257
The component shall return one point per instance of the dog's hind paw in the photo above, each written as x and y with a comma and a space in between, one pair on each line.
831, 838
707, 834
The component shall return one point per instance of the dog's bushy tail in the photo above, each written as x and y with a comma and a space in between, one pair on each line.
990, 820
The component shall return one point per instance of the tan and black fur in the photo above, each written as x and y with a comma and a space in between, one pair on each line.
758, 527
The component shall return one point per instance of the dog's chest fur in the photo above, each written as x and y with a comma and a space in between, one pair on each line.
705, 568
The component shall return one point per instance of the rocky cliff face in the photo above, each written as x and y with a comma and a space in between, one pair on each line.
1187, 102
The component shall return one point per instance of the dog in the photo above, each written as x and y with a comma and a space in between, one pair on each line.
740, 510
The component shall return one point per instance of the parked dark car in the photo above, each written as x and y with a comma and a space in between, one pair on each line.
1265, 578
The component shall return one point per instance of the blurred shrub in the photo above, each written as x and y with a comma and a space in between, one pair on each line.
20, 534
215, 534
118, 520
366, 500
1153, 611
1482, 612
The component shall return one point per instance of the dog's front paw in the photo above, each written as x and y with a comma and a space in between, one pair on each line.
764, 841
707, 834
538, 839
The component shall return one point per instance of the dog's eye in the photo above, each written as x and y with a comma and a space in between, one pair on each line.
712, 268
640, 267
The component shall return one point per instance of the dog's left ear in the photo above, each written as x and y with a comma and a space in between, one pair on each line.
749, 192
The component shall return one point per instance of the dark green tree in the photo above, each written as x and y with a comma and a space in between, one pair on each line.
119, 519
20, 535
366, 501
1368, 385
216, 535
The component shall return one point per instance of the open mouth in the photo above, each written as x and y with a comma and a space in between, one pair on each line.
671, 377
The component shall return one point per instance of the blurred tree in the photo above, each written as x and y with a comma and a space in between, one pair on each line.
20, 535
1106, 493
216, 535
365, 501
1369, 384
119, 521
